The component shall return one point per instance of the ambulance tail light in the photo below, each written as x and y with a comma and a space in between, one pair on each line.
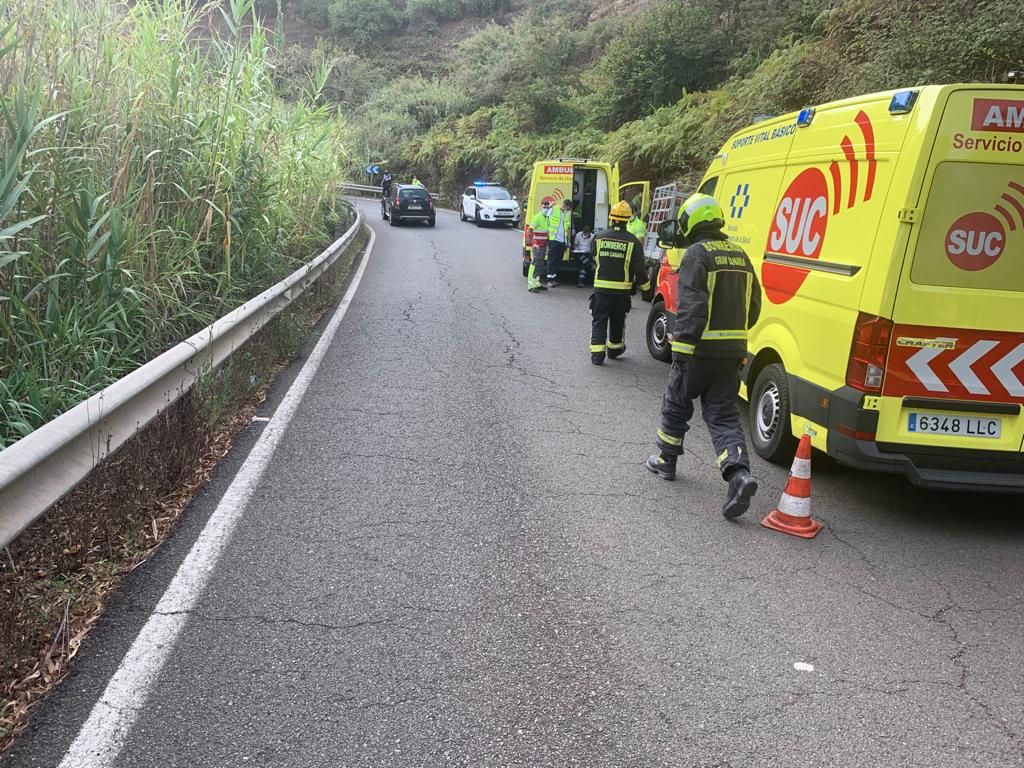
868, 353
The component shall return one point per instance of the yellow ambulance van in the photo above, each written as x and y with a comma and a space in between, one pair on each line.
888, 233
592, 185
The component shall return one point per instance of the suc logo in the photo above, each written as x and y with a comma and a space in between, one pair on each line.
801, 218
798, 230
975, 241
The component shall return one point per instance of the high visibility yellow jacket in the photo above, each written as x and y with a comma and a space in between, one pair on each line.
637, 228
555, 219
539, 230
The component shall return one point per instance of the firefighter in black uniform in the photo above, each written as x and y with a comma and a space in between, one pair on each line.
618, 265
719, 300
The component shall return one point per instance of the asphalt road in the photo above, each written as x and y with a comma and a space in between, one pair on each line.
457, 558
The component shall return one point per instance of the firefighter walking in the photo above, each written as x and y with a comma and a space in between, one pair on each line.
618, 270
719, 300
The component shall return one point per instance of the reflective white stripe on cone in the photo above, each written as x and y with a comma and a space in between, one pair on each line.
793, 514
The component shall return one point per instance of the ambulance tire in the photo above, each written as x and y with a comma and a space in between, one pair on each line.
658, 343
770, 431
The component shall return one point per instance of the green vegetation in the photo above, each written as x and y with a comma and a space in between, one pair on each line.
369, 24
657, 89
146, 187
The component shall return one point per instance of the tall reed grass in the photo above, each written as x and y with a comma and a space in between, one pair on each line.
147, 185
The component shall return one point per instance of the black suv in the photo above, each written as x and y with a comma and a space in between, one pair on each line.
408, 202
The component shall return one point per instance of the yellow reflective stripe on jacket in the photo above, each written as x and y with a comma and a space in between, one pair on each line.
597, 347
665, 437
682, 348
725, 335
627, 286
712, 278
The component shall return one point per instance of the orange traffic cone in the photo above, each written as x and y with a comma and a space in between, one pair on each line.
793, 515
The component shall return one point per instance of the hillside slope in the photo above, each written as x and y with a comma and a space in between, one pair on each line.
451, 90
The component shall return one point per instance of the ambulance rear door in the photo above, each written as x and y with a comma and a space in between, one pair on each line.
552, 182
593, 187
954, 376
638, 195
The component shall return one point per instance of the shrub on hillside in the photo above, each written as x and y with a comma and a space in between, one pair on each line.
364, 22
442, 10
677, 45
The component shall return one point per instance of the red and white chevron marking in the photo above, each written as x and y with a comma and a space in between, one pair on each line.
956, 364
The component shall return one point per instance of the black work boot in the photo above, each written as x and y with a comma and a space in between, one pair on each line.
662, 466
613, 353
742, 488
596, 359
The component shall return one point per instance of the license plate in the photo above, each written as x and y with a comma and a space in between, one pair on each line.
415, 207
960, 426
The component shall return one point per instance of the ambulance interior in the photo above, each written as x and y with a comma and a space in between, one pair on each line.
590, 195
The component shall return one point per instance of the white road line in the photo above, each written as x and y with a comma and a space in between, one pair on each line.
102, 736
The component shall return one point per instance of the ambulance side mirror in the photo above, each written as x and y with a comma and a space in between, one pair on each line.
668, 235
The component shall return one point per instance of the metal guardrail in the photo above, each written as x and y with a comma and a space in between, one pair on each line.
370, 190
38, 470
362, 188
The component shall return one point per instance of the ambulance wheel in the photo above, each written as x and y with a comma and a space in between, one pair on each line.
658, 343
770, 430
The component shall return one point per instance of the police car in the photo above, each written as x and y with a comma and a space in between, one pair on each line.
487, 203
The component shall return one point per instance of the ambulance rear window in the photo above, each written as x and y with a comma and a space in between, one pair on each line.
972, 233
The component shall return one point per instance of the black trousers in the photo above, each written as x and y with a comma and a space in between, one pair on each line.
715, 380
556, 250
608, 323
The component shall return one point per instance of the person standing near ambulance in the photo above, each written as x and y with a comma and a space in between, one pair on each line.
637, 227
559, 238
618, 270
719, 300
539, 244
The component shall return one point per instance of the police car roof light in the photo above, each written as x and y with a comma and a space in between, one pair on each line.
902, 102
805, 117
482, 183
